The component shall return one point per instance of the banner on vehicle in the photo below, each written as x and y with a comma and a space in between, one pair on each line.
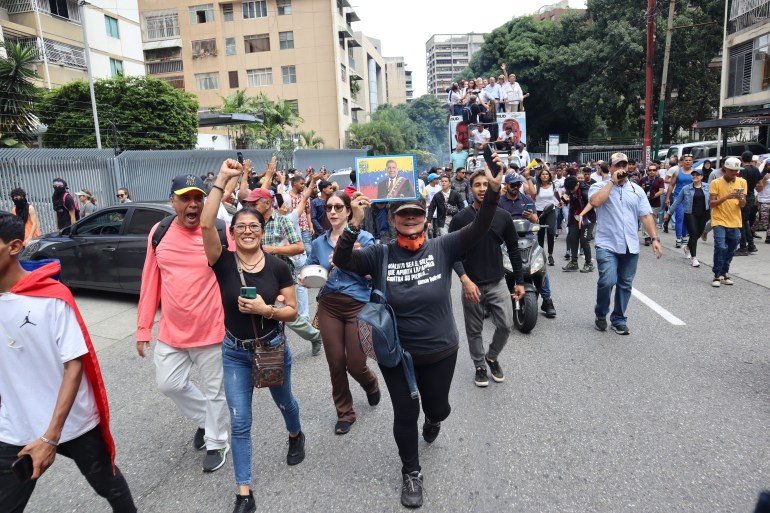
459, 133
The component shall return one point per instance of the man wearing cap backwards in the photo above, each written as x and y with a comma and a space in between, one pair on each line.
394, 186
484, 288
727, 196
619, 204
176, 274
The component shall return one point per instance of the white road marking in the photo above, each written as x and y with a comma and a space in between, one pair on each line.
655, 307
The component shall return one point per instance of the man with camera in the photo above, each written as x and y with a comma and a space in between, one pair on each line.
727, 196
619, 204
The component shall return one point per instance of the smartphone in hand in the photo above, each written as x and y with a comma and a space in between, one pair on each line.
249, 292
22, 468
489, 158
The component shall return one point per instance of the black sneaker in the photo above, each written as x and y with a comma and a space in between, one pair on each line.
548, 308
753, 249
620, 329
495, 369
245, 503
567, 256
374, 399
767, 240
600, 324
215, 459
481, 378
588, 267
430, 430
550, 261
647, 241
741, 252
411, 491
296, 449
571, 267
199, 442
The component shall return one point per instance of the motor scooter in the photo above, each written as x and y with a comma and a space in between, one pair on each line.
525, 312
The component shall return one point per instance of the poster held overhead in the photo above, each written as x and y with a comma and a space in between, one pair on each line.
387, 177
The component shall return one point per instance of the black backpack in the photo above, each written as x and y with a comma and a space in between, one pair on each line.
163, 225
467, 114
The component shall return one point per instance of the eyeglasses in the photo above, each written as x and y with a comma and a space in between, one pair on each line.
337, 208
253, 227
120, 195
517, 185
621, 164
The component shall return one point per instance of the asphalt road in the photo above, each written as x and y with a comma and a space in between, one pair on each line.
669, 419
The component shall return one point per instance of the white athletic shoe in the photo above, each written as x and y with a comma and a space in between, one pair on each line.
695, 262
686, 250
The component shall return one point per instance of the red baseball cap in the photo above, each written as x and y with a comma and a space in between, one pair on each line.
258, 194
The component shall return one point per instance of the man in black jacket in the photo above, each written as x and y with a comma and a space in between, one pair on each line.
444, 206
579, 227
483, 277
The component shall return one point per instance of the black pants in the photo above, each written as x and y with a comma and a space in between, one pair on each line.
696, 225
579, 236
549, 220
747, 239
90, 455
433, 382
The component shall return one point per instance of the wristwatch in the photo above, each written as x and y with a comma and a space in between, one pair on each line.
655, 239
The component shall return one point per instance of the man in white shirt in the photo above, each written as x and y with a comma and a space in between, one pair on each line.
53, 396
480, 136
523, 154
505, 91
494, 93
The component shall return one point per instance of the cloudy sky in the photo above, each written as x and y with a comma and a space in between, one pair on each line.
404, 26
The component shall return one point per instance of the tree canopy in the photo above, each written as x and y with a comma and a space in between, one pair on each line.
588, 70
278, 118
143, 112
17, 95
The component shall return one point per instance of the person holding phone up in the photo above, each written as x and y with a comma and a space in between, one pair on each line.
726, 198
267, 277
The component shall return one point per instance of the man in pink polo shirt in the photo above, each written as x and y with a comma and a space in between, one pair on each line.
177, 275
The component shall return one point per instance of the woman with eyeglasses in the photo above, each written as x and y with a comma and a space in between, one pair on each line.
271, 278
339, 302
123, 195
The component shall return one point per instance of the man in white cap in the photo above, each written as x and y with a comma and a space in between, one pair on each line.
727, 195
619, 204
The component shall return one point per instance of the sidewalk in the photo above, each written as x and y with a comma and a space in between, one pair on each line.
754, 268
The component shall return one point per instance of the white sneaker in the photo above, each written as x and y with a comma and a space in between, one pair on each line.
717, 282
686, 250
695, 262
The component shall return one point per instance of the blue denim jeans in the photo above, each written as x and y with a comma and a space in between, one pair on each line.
725, 242
239, 388
307, 241
681, 229
615, 270
545, 290
303, 307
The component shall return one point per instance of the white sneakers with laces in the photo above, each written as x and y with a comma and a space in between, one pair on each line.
695, 262
686, 251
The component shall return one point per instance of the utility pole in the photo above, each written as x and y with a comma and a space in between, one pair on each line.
722, 89
648, 85
664, 80
82, 4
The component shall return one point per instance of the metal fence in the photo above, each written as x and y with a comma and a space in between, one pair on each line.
588, 156
146, 174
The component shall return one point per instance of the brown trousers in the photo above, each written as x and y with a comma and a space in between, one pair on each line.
337, 322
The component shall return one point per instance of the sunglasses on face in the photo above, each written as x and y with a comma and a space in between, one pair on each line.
253, 227
337, 208
120, 195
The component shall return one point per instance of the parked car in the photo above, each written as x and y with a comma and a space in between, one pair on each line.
104, 251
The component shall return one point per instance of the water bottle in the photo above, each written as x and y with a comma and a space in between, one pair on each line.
279, 301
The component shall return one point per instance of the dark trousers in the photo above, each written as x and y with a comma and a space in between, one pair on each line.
90, 455
339, 331
579, 236
548, 220
433, 382
747, 238
696, 224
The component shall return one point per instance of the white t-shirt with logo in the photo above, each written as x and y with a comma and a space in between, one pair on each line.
45, 335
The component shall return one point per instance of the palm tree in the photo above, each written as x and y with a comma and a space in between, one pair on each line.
310, 140
239, 103
17, 95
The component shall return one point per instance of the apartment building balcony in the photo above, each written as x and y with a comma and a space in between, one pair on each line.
56, 52
745, 14
67, 10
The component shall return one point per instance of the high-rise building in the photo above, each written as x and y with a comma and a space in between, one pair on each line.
398, 81
446, 56
748, 54
305, 52
56, 28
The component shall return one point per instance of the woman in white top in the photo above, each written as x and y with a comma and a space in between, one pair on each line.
546, 195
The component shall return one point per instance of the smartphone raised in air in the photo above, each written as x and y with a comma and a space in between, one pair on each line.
490, 160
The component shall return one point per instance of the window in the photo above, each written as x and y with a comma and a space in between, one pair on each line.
116, 67
204, 48
256, 9
284, 7
286, 40
294, 105
106, 223
257, 43
201, 14
259, 77
59, 8
112, 26
206, 81
227, 12
142, 221
233, 78
177, 82
345, 106
343, 73
230, 46
289, 74
161, 25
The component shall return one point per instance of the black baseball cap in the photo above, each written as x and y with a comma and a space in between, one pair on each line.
183, 184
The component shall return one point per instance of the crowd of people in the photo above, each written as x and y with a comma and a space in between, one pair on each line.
228, 272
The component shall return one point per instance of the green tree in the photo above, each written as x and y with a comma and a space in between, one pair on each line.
144, 112
310, 140
390, 131
17, 95
431, 119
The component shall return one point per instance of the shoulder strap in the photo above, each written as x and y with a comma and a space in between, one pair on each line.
384, 272
243, 283
165, 223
